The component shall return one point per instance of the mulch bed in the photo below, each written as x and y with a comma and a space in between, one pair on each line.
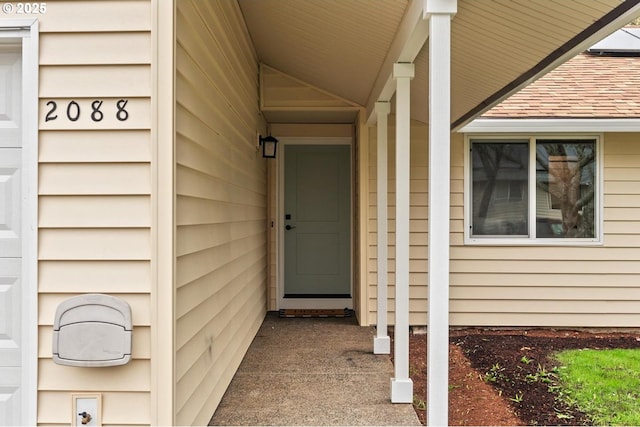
507, 396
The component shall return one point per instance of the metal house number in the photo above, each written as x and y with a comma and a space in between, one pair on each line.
73, 111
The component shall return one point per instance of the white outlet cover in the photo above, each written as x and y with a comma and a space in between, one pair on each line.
89, 404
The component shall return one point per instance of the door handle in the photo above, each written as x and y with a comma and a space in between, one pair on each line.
289, 227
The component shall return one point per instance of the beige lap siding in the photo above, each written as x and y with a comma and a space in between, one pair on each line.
418, 225
95, 224
524, 285
559, 286
221, 210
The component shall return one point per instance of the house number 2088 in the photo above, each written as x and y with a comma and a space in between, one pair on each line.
73, 111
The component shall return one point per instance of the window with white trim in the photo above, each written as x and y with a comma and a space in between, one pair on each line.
533, 189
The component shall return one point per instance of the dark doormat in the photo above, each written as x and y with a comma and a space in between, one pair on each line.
314, 312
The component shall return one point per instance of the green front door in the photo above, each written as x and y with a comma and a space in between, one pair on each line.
317, 218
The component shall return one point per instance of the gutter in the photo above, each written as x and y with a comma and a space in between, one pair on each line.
547, 125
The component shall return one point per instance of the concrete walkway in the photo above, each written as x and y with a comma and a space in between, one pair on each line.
312, 372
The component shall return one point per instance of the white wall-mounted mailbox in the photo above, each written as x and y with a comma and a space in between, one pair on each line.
92, 330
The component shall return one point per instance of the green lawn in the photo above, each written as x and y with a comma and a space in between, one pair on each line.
604, 384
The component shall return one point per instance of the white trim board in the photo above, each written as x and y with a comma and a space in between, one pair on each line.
25, 33
30, 73
551, 125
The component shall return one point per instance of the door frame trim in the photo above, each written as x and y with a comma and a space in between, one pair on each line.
28, 31
309, 303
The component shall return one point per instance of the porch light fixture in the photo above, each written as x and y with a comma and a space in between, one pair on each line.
269, 145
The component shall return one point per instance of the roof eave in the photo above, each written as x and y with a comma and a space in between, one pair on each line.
612, 21
551, 125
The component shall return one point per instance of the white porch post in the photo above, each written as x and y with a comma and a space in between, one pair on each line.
439, 13
401, 385
382, 342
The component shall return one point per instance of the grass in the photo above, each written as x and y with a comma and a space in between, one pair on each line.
604, 384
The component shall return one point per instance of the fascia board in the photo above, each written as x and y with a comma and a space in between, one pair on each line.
551, 125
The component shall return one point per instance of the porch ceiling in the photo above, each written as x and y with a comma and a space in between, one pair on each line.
345, 46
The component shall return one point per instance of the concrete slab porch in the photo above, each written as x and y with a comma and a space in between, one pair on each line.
312, 371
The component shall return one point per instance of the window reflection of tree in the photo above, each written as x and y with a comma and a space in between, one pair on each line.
493, 158
565, 164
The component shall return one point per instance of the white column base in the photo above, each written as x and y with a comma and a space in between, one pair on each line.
381, 345
401, 391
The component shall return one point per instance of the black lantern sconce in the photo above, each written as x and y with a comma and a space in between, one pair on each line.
269, 145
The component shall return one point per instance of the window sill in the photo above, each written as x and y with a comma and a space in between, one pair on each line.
492, 241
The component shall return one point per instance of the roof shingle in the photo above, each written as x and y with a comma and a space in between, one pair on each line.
587, 86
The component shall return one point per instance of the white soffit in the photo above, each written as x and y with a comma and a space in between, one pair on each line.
343, 46
335, 45
496, 42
